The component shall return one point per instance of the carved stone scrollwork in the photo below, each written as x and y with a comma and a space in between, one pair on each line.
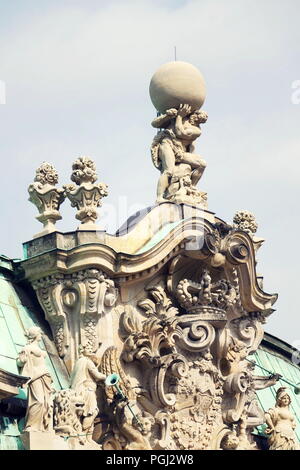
250, 331
147, 338
172, 365
197, 335
49, 293
81, 298
212, 242
187, 394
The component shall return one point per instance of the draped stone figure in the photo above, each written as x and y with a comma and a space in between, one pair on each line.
84, 379
281, 423
31, 360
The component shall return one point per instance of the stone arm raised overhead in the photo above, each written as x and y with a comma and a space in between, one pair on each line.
163, 120
185, 130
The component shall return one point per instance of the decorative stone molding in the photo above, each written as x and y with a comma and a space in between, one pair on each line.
85, 195
10, 383
245, 220
80, 298
46, 197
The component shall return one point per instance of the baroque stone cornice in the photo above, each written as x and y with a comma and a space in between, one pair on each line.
10, 383
188, 239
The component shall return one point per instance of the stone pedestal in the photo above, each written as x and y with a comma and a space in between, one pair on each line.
35, 440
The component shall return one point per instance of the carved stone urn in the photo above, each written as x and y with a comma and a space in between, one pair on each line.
46, 197
85, 195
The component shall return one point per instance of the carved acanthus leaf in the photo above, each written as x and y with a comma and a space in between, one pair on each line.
161, 305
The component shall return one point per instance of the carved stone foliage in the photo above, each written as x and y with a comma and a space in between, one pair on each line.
46, 197
186, 394
245, 220
73, 305
68, 409
161, 305
190, 347
85, 195
240, 407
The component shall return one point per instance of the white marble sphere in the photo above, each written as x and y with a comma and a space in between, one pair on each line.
177, 83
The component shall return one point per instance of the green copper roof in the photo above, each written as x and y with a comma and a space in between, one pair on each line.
276, 356
16, 316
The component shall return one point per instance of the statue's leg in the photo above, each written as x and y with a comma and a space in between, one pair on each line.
198, 165
167, 159
88, 426
196, 175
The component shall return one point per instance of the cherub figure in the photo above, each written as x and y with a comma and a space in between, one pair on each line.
173, 154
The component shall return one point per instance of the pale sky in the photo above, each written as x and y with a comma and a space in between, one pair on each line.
77, 73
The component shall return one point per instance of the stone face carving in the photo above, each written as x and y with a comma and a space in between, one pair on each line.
173, 154
46, 197
245, 220
85, 195
81, 298
31, 360
281, 423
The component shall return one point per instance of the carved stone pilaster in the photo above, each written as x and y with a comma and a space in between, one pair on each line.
46, 197
73, 305
85, 195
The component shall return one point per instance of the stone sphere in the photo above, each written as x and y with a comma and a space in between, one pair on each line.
177, 83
